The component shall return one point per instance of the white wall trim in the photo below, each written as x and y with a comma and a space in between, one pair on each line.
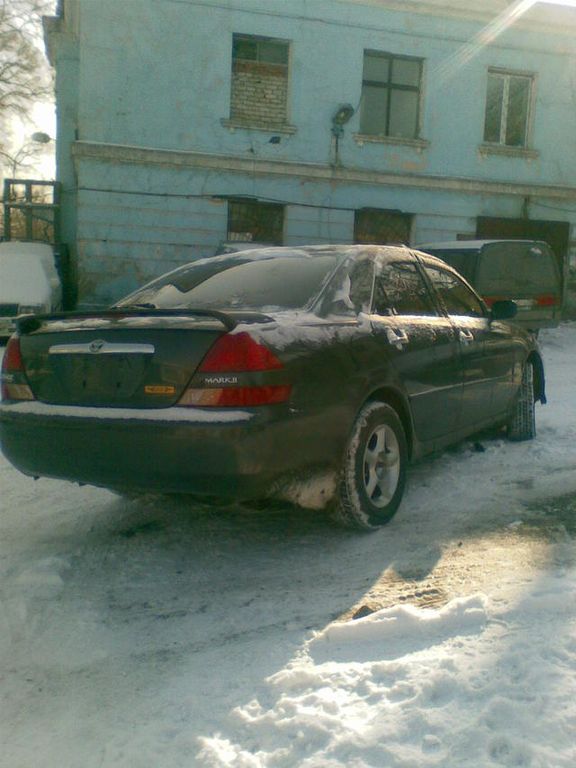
119, 153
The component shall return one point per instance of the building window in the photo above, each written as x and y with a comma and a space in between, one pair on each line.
259, 81
391, 87
253, 222
508, 99
379, 227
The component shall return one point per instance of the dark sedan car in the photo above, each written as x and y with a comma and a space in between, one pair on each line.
313, 374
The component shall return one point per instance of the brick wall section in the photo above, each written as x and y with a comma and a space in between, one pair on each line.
259, 93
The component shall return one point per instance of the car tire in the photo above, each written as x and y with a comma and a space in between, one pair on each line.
522, 424
373, 475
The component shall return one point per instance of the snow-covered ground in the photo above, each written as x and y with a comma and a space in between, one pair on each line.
155, 634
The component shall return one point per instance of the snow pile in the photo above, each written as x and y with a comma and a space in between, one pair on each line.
462, 686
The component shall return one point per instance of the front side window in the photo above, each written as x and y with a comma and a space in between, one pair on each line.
457, 298
254, 222
508, 100
401, 290
259, 95
391, 88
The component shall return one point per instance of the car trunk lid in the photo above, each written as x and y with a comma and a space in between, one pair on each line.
139, 359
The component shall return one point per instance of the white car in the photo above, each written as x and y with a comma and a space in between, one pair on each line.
29, 282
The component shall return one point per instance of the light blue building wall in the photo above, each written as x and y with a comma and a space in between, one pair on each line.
149, 154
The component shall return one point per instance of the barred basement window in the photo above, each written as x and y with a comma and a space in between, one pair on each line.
391, 88
259, 94
380, 227
251, 221
508, 99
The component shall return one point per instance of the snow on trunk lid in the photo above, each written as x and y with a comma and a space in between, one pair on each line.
118, 364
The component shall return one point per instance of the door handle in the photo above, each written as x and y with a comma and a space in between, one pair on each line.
397, 337
465, 336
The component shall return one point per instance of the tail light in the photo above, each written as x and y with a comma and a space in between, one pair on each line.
546, 300
239, 353
236, 353
14, 384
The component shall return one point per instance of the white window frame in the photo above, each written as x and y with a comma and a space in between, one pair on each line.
506, 75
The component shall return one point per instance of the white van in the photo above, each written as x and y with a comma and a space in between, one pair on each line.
29, 282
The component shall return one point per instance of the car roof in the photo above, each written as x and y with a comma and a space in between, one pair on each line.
306, 251
472, 245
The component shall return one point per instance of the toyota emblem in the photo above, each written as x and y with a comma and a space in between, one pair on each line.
96, 346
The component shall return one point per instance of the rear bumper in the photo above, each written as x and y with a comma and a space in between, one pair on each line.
230, 454
535, 320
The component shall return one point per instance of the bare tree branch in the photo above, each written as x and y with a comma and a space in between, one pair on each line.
25, 75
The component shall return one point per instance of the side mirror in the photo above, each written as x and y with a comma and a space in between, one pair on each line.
504, 310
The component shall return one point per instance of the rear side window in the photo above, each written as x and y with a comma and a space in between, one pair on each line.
510, 267
350, 290
400, 290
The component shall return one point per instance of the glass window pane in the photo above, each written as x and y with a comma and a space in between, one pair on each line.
404, 114
518, 103
241, 283
244, 49
373, 225
520, 267
457, 297
273, 52
400, 290
406, 72
374, 110
255, 222
462, 261
376, 68
494, 98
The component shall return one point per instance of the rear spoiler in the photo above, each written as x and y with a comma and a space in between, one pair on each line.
30, 323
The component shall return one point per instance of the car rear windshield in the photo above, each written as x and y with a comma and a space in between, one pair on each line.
513, 267
281, 282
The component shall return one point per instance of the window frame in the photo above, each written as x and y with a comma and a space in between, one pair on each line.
389, 87
254, 203
257, 121
438, 296
399, 216
507, 75
432, 296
